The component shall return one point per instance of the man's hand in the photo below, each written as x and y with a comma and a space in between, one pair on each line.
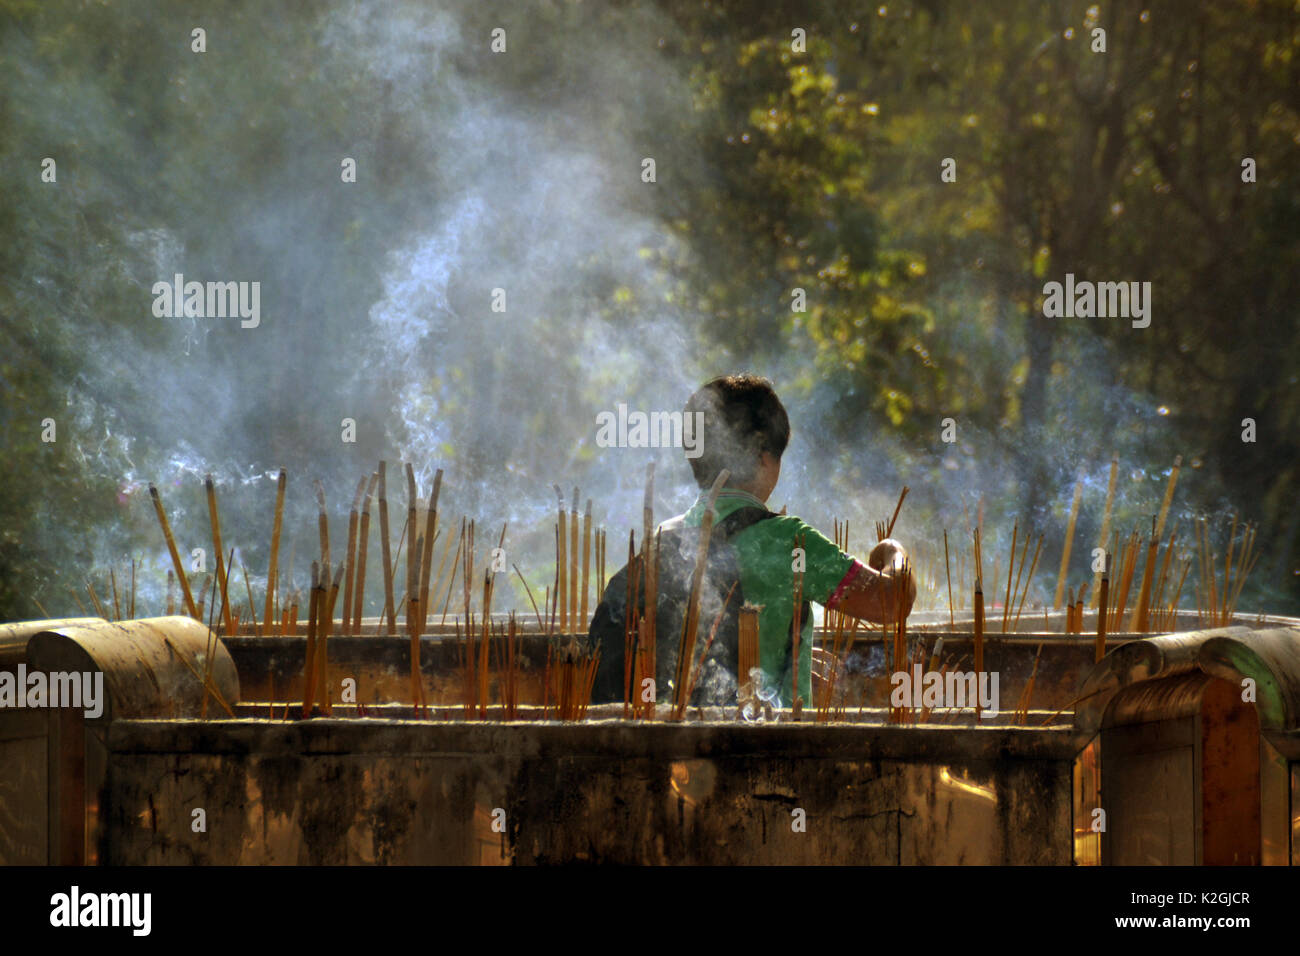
876, 592
890, 558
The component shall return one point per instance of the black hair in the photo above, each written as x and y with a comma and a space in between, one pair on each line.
743, 417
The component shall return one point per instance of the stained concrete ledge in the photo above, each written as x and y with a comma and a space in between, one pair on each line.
366, 791
610, 738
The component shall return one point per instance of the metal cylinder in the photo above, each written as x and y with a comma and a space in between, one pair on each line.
14, 637
153, 667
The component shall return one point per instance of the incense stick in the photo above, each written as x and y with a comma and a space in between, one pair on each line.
359, 597
713, 633
94, 599
326, 629
455, 565
1139, 620
889, 530
947, 570
648, 649
390, 610
323, 524
686, 648
979, 614
586, 563
796, 629
1011, 563
212, 635
223, 576
1169, 497
531, 600
430, 533
1105, 521
412, 550
309, 662
272, 571
1069, 541
349, 555
117, 607
1103, 596
252, 615
630, 646
561, 562
747, 638
574, 623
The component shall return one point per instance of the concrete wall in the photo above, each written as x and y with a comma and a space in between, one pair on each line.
415, 792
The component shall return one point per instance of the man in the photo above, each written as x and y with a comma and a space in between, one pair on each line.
746, 431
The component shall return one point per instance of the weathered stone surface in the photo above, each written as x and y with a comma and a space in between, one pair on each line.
373, 791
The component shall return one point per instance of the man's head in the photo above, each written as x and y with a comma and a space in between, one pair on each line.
746, 431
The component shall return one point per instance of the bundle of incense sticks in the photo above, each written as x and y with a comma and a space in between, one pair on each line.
209, 652
686, 648
509, 679
1033, 565
936, 655
570, 673
1027, 695
841, 640
1167, 617
747, 658
435, 588
1123, 584
708, 645
1138, 619
316, 665
1011, 564
1218, 604
1074, 609
468, 660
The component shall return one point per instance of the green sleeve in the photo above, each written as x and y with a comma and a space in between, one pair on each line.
826, 564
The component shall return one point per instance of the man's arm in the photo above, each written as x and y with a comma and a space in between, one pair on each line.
875, 591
